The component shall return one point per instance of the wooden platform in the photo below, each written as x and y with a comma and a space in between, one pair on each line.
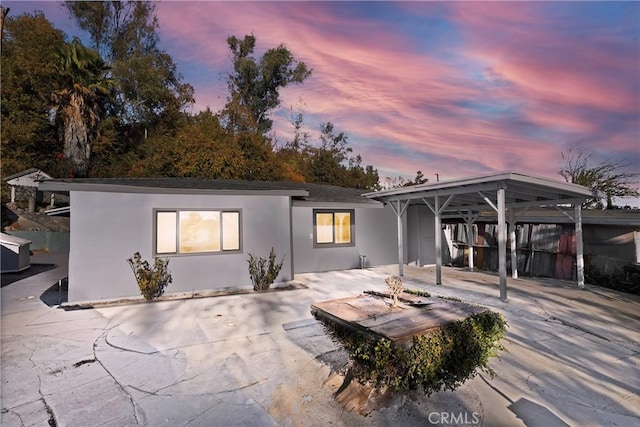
373, 314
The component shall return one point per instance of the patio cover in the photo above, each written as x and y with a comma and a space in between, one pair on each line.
505, 193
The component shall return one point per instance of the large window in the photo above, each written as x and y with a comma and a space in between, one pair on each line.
196, 231
333, 227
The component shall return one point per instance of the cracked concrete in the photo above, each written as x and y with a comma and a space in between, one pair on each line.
260, 359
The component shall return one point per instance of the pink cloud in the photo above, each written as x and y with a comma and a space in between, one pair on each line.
373, 85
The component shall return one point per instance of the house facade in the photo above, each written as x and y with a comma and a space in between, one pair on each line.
207, 228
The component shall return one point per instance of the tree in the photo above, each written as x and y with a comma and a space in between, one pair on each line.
292, 156
29, 71
419, 179
391, 183
254, 85
608, 177
200, 148
79, 103
124, 32
332, 162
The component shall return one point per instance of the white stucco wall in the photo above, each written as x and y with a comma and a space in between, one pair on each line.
375, 236
421, 236
107, 228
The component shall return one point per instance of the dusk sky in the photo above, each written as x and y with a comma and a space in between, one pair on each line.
454, 88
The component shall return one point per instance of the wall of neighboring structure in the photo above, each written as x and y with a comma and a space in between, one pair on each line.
610, 247
375, 236
50, 241
108, 228
421, 237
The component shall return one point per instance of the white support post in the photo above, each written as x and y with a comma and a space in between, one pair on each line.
502, 244
470, 242
579, 246
400, 243
13, 194
437, 223
437, 211
399, 211
512, 238
438, 236
469, 219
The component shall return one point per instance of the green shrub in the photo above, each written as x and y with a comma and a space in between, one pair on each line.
442, 359
151, 281
263, 272
418, 292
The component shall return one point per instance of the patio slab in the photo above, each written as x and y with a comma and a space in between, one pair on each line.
261, 359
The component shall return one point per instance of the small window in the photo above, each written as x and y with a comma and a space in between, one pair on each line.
333, 228
196, 231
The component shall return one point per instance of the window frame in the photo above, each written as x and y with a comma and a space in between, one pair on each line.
177, 253
333, 244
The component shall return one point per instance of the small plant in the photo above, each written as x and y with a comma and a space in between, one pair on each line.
151, 281
395, 288
263, 272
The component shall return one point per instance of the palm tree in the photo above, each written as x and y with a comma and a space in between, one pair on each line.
79, 104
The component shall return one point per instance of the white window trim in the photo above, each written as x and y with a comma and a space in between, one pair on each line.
187, 254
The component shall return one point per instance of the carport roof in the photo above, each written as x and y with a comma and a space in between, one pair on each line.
471, 194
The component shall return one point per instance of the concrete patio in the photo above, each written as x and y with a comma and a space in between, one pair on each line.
260, 359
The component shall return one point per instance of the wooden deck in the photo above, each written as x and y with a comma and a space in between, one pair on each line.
373, 314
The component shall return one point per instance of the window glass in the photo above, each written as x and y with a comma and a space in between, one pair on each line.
342, 227
324, 228
166, 232
199, 231
230, 231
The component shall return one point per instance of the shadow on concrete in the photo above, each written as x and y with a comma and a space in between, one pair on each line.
9, 278
56, 294
533, 414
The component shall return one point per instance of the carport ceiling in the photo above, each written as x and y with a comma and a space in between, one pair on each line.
471, 194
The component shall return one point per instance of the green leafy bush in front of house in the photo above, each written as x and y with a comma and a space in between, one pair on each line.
151, 280
263, 272
442, 359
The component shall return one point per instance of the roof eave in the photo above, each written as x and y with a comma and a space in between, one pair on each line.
119, 188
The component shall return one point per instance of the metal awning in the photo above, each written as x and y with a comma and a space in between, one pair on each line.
505, 193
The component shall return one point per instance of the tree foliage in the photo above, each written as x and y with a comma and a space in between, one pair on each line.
329, 161
391, 183
29, 72
255, 84
611, 179
124, 32
199, 148
79, 102
119, 107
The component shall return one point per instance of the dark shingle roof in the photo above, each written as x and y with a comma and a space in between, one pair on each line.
303, 193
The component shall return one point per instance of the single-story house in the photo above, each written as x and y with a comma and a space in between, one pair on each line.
207, 228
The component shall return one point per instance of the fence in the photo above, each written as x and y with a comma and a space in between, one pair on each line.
547, 250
